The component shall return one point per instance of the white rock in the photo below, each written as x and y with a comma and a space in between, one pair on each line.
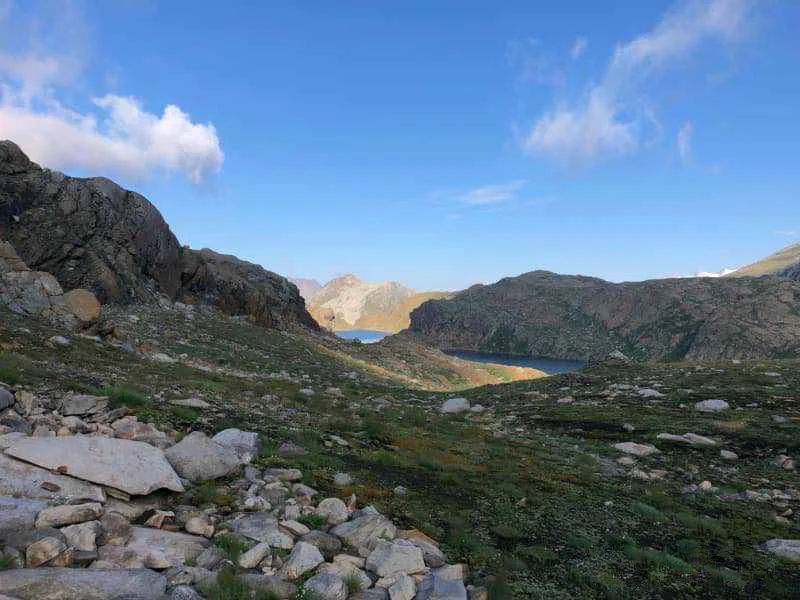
784, 548
326, 586
455, 405
68, 514
198, 458
245, 444
254, 556
334, 510
399, 557
636, 449
728, 455
304, 558
712, 406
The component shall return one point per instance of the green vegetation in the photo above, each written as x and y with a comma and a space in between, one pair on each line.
230, 545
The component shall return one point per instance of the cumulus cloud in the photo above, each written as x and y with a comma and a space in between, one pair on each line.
578, 47
115, 136
685, 142
610, 116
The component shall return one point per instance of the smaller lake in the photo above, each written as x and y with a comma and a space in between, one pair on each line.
551, 366
364, 335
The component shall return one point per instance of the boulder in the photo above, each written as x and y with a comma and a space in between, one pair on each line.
687, 438
83, 305
133, 467
328, 544
43, 550
712, 406
262, 527
245, 444
436, 587
362, 533
252, 558
21, 479
326, 586
399, 557
86, 584
430, 549
18, 513
789, 549
334, 510
404, 588
175, 547
636, 449
304, 557
198, 458
83, 404
68, 514
6, 398
455, 405
83, 536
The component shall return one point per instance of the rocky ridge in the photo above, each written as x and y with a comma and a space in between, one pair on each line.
585, 318
92, 234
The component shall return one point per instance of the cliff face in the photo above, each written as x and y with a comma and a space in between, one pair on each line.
583, 318
93, 234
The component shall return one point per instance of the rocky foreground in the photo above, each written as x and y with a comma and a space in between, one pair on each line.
93, 506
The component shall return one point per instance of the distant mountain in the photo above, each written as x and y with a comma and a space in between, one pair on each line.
776, 263
307, 287
348, 303
584, 318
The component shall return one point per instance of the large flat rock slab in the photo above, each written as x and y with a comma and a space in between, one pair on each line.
22, 479
172, 546
133, 467
86, 584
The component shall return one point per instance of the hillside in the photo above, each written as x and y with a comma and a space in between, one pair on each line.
782, 260
584, 318
349, 303
92, 234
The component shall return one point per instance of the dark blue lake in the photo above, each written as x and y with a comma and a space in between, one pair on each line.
365, 335
551, 366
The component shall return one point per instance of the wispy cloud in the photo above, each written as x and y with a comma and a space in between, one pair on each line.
117, 136
787, 232
685, 142
491, 194
578, 47
611, 117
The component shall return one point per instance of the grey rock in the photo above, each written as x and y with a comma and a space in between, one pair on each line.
173, 546
327, 586
68, 514
133, 467
334, 510
86, 584
363, 532
18, 513
245, 444
371, 594
691, 439
262, 527
83, 404
198, 458
712, 406
328, 544
784, 548
83, 536
404, 588
19, 478
43, 550
304, 557
252, 558
399, 557
291, 475
636, 449
6, 398
184, 592
455, 405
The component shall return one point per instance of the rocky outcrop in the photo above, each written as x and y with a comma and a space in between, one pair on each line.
39, 294
238, 287
93, 234
584, 318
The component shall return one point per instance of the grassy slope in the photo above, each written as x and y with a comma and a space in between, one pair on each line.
774, 263
520, 492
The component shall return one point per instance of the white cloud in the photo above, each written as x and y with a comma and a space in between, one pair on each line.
116, 136
787, 232
578, 48
611, 116
685, 142
491, 194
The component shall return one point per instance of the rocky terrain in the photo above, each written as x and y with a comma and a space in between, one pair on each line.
129, 470
584, 318
92, 234
348, 303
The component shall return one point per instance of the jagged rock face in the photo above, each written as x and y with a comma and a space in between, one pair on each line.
238, 287
583, 318
92, 234
89, 233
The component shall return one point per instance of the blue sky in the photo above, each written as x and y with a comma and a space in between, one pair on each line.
436, 143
